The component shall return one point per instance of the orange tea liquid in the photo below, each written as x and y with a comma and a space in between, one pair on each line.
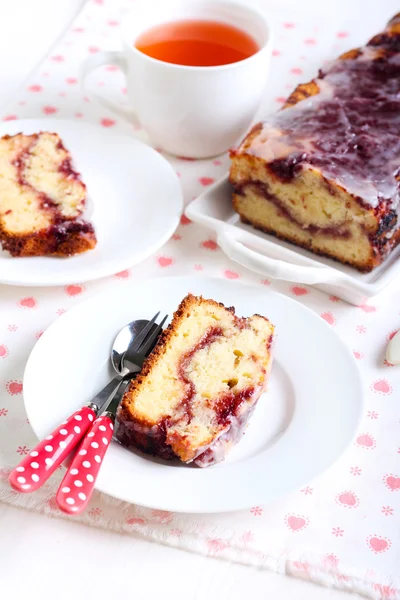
197, 43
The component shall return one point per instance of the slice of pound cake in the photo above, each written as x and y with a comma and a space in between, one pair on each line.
42, 198
324, 172
199, 386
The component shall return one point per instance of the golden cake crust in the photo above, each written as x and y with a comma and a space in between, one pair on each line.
48, 243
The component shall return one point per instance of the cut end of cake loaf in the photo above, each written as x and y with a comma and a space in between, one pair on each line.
312, 212
42, 198
199, 386
323, 173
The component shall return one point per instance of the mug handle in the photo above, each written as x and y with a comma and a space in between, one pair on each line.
98, 60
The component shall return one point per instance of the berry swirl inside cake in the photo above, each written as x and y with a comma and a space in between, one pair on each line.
199, 386
42, 198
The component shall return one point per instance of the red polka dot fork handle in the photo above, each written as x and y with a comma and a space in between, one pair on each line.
36, 468
77, 486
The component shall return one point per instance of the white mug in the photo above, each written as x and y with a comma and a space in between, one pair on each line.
190, 111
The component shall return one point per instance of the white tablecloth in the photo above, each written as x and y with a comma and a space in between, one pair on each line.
40, 556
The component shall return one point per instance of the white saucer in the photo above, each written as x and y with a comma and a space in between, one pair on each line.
133, 192
300, 427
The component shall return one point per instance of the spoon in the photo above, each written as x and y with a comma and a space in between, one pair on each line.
119, 350
36, 468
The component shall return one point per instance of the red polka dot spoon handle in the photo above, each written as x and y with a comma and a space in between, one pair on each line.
35, 469
77, 486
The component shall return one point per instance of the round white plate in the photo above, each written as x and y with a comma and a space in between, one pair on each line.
134, 196
299, 428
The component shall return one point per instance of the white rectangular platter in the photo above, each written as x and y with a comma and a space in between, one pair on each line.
277, 259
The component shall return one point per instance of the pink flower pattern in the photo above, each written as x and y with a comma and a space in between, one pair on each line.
162, 516
136, 521
372, 414
355, 470
95, 512
387, 510
248, 536
257, 511
216, 545
337, 531
176, 532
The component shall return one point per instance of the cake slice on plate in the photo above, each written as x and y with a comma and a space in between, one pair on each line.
42, 198
324, 172
199, 386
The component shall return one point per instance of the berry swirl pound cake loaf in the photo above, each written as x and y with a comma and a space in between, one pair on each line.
199, 386
42, 198
324, 172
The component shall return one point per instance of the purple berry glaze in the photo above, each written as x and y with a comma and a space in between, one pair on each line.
350, 130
